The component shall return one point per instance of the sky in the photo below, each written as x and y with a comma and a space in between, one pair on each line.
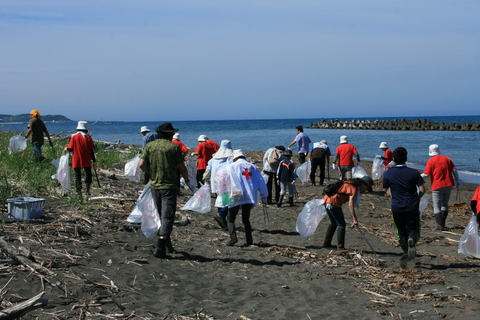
123, 60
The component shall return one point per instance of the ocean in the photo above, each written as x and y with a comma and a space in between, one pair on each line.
259, 135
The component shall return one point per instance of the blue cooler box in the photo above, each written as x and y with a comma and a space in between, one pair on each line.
25, 208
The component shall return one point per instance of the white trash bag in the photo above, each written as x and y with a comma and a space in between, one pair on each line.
358, 172
200, 201
17, 143
303, 172
146, 213
307, 222
63, 171
470, 242
424, 202
192, 174
132, 169
378, 168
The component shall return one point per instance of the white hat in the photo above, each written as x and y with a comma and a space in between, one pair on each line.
383, 145
225, 150
317, 145
176, 136
144, 129
343, 139
324, 141
202, 138
433, 150
81, 125
238, 153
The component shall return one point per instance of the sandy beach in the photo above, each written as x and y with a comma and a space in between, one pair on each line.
101, 269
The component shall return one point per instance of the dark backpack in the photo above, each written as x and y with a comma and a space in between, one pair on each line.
332, 188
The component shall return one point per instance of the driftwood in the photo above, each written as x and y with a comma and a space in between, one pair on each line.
16, 255
24, 307
107, 173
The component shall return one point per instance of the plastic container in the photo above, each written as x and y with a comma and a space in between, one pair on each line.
25, 208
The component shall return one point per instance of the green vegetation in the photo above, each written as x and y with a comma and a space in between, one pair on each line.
25, 117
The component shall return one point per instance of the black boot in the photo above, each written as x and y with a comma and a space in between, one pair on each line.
290, 201
327, 243
279, 203
170, 248
439, 221
341, 238
161, 251
444, 219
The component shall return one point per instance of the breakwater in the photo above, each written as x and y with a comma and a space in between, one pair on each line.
402, 124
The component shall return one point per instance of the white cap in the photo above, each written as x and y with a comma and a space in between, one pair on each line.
144, 129
343, 139
238, 153
383, 145
176, 136
81, 125
433, 150
202, 138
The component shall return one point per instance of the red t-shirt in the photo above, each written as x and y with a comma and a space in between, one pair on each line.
342, 196
440, 168
476, 197
213, 145
205, 153
345, 153
389, 156
81, 144
183, 148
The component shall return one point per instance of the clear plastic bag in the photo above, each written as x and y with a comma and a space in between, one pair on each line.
200, 201
63, 172
470, 242
192, 174
132, 169
303, 171
307, 222
424, 202
145, 212
17, 144
358, 172
378, 168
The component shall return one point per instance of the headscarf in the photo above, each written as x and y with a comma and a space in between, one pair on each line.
36, 113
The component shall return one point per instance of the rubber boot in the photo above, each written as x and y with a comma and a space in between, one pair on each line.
444, 219
161, 251
290, 201
87, 189
327, 243
170, 248
341, 238
279, 204
439, 221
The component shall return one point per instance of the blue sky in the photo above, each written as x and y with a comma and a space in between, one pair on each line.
196, 60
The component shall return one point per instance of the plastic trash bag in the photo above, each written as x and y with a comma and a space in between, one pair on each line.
265, 176
200, 201
63, 171
132, 169
146, 213
192, 174
223, 185
303, 172
17, 144
470, 242
378, 168
307, 222
424, 202
358, 172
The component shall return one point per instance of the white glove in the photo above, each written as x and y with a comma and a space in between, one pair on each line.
192, 155
293, 182
377, 156
424, 175
392, 164
334, 166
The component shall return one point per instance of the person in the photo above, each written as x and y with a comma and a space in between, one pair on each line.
303, 140
348, 192
204, 153
344, 157
36, 128
184, 149
83, 156
159, 159
212, 144
249, 182
318, 158
444, 176
286, 177
475, 204
387, 155
271, 160
220, 159
147, 137
401, 184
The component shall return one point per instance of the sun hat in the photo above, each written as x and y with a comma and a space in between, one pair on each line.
35, 113
383, 145
202, 138
433, 150
238, 153
368, 181
166, 127
343, 139
144, 129
176, 136
81, 125
288, 153
225, 150
324, 141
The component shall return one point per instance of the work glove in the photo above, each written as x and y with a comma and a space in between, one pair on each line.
192, 155
94, 165
378, 156
459, 185
334, 166
424, 175
392, 164
293, 182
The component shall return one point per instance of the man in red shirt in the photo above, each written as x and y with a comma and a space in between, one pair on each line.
387, 154
204, 152
475, 204
81, 144
344, 156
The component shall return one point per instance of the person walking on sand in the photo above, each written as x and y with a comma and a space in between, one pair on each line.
147, 137
444, 176
475, 204
159, 159
401, 184
286, 177
318, 158
344, 156
204, 153
348, 192
36, 128
303, 140
387, 155
248, 183
83, 156
271, 160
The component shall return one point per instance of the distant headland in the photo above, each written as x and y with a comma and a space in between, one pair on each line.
402, 124
25, 117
